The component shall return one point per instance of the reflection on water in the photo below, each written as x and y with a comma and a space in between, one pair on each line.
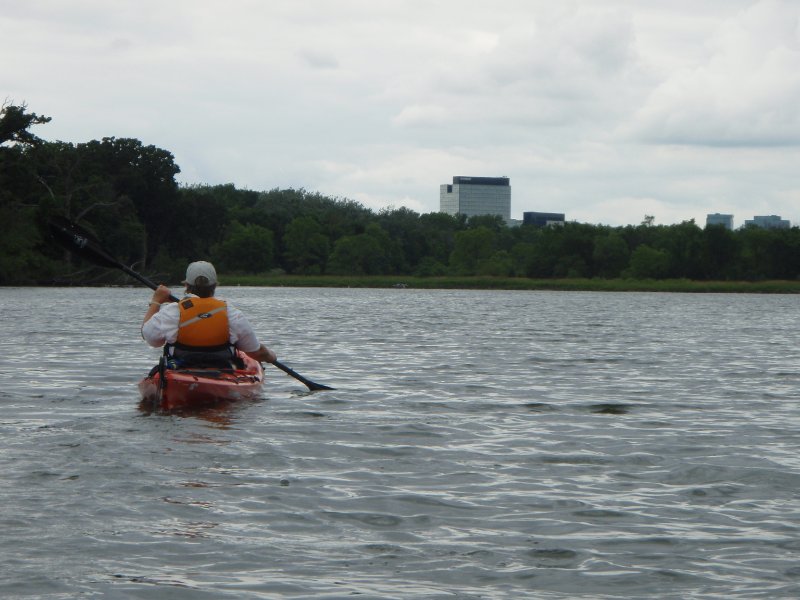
222, 414
478, 445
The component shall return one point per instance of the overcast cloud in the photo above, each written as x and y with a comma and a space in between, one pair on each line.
605, 110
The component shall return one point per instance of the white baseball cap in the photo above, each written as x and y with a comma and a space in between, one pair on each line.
200, 268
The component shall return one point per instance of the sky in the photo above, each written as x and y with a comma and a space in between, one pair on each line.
605, 110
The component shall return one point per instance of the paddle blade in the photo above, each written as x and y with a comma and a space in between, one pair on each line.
307, 382
80, 242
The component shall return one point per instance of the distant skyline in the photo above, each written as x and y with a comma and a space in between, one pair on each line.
605, 110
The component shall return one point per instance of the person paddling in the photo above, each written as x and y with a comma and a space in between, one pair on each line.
200, 330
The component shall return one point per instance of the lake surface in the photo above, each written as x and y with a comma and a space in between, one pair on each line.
479, 444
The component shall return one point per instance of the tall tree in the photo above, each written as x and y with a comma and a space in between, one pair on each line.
610, 255
15, 122
146, 175
472, 246
23, 259
720, 252
248, 249
370, 253
648, 263
439, 231
203, 219
307, 248
684, 244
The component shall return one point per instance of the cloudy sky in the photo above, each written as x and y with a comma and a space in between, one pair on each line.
606, 110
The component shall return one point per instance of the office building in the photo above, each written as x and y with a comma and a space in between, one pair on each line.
768, 222
542, 219
475, 196
719, 219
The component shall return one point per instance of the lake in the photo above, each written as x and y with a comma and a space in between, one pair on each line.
478, 444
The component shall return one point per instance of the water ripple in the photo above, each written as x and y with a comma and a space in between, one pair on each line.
478, 445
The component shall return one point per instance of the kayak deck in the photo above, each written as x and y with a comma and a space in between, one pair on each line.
198, 387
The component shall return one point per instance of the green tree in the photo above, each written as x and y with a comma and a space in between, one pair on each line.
247, 249
69, 181
356, 255
24, 255
499, 264
21, 261
684, 244
145, 175
648, 263
528, 261
787, 255
720, 253
610, 255
15, 122
204, 217
575, 246
537, 251
756, 257
404, 227
430, 267
438, 231
564, 251
770, 253
471, 246
571, 266
492, 222
307, 248
370, 253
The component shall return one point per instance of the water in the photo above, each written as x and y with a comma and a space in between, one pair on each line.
478, 445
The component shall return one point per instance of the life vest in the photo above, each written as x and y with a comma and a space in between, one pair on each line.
203, 323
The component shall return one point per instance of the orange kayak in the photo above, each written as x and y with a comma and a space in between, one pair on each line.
197, 387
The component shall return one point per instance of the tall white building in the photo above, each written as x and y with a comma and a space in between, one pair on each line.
475, 196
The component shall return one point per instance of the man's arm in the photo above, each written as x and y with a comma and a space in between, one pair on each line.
160, 295
244, 336
263, 354
156, 331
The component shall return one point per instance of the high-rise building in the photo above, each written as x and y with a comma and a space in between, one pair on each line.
768, 222
475, 196
719, 219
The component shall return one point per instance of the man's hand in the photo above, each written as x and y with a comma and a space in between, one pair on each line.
263, 354
162, 294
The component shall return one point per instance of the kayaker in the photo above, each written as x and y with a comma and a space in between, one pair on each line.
200, 327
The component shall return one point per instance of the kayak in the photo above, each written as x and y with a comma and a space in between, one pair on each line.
195, 387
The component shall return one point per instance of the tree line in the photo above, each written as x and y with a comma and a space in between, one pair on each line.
126, 193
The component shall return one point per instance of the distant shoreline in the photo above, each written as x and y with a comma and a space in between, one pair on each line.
484, 283
515, 283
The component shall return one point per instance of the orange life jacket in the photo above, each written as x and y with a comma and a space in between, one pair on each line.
203, 323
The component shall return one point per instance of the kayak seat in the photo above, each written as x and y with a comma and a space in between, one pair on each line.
218, 357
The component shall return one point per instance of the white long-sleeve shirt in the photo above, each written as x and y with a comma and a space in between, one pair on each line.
162, 328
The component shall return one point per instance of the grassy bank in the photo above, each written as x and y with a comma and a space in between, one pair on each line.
518, 283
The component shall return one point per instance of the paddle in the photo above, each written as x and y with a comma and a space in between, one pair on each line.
162, 382
79, 241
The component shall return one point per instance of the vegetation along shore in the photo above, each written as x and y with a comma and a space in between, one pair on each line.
125, 194
507, 283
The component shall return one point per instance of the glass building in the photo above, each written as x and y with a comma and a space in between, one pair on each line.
475, 196
720, 219
768, 222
